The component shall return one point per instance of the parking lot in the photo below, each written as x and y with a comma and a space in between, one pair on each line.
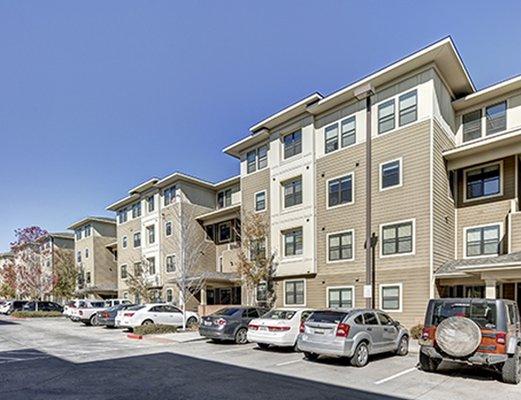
58, 359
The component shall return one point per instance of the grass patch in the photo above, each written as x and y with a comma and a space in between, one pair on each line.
36, 314
154, 329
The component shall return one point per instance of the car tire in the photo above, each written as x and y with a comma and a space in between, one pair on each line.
403, 346
191, 322
428, 364
263, 346
361, 355
511, 370
310, 356
241, 336
147, 322
93, 321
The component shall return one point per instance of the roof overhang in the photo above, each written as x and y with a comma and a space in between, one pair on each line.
220, 215
178, 176
86, 220
143, 187
123, 202
237, 148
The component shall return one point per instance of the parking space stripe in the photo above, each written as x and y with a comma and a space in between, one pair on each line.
390, 378
232, 350
289, 362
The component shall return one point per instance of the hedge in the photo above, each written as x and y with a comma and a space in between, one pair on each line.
36, 314
416, 331
154, 329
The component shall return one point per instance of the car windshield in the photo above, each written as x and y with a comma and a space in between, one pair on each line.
482, 313
230, 312
329, 317
280, 314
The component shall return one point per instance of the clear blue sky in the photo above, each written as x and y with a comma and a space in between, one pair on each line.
98, 96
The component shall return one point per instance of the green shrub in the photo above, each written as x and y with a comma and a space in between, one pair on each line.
416, 331
36, 314
154, 329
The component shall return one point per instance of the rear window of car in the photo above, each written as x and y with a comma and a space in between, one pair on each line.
135, 308
332, 317
483, 313
280, 314
230, 312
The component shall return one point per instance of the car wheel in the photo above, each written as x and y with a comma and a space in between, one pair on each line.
310, 356
361, 355
428, 364
403, 346
191, 322
511, 370
147, 322
93, 321
263, 346
241, 337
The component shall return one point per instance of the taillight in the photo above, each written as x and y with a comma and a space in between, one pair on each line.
105, 314
221, 321
253, 327
501, 338
129, 314
427, 337
342, 330
302, 327
278, 328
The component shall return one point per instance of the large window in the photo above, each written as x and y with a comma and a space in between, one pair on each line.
88, 230
260, 201
262, 157
331, 138
168, 228
340, 191
122, 216
78, 234
390, 174
294, 292
292, 242
408, 108
224, 231
292, 144
340, 297
170, 263
257, 159
386, 116
483, 182
251, 161
397, 238
169, 195
137, 239
150, 204
472, 125
482, 241
340, 246
292, 192
391, 297
151, 265
224, 198
151, 234
257, 249
136, 210
348, 131
123, 272
496, 117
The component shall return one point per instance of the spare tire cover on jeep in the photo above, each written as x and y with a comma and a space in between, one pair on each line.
458, 336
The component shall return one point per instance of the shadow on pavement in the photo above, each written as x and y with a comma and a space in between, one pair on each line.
4, 322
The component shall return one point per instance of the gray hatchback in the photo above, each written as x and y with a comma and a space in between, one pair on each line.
352, 333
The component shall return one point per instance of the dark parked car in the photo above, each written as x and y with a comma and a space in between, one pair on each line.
230, 323
42, 306
15, 305
473, 331
108, 317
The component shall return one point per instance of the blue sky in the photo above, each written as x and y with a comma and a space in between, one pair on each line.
98, 96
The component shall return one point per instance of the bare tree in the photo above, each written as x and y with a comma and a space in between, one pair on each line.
141, 279
256, 267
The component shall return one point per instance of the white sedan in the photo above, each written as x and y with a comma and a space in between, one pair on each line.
148, 314
280, 327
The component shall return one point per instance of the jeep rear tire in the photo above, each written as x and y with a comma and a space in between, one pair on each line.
428, 364
511, 370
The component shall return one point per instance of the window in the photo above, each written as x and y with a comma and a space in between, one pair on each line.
151, 265
483, 182
261, 292
340, 246
169, 195
137, 268
136, 210
87, 277
220, 264
122, 216
251, 161
123, 272
397, 238
331, 138
137, 239
210, 233
496, 118
88, 230
293, 144
168, 228
386, 116
260, 201
151, 234
78, 234
86, 253
169, 295
150, 204
340, 298
262, 156
124, 242
224, 198
170, 263
348, 131
408, 108
294, 292
293, 242
292, 192
78, 256
340, 191
391, 297
370, 318
390, 174
472, 125
224, 232
257, 249
482, 241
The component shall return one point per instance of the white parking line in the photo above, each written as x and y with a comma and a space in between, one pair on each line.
289, 362
390, 378
232, 350
22, 359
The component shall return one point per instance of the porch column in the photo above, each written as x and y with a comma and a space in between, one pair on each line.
490, 289
203, 296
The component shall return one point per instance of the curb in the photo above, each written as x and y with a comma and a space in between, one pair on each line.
134, 336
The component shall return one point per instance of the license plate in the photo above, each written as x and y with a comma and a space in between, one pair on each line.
207, 323
263, 328
317, 332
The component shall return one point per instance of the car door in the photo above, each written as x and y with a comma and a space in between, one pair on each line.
390, 331
375, 330
156, 314
174, 315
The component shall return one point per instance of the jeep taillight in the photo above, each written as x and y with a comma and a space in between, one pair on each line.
501, 338
427, 336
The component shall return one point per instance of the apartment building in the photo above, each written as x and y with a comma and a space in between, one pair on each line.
161, 218
414, 157
96, 264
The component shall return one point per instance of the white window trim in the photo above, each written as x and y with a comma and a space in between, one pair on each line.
147, 230
400, 161
133, 241
256, 149
288, 132
483, 122
255, 201
256, 291
284, 292
465, 229
396, 99
218, 235
381, 238
283, 199
264, 239
352, 174
120, 268
296, 256
224, 198
385, 285
501, 179
352, 288
171, 228
339, 134
328, 261
175, 263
